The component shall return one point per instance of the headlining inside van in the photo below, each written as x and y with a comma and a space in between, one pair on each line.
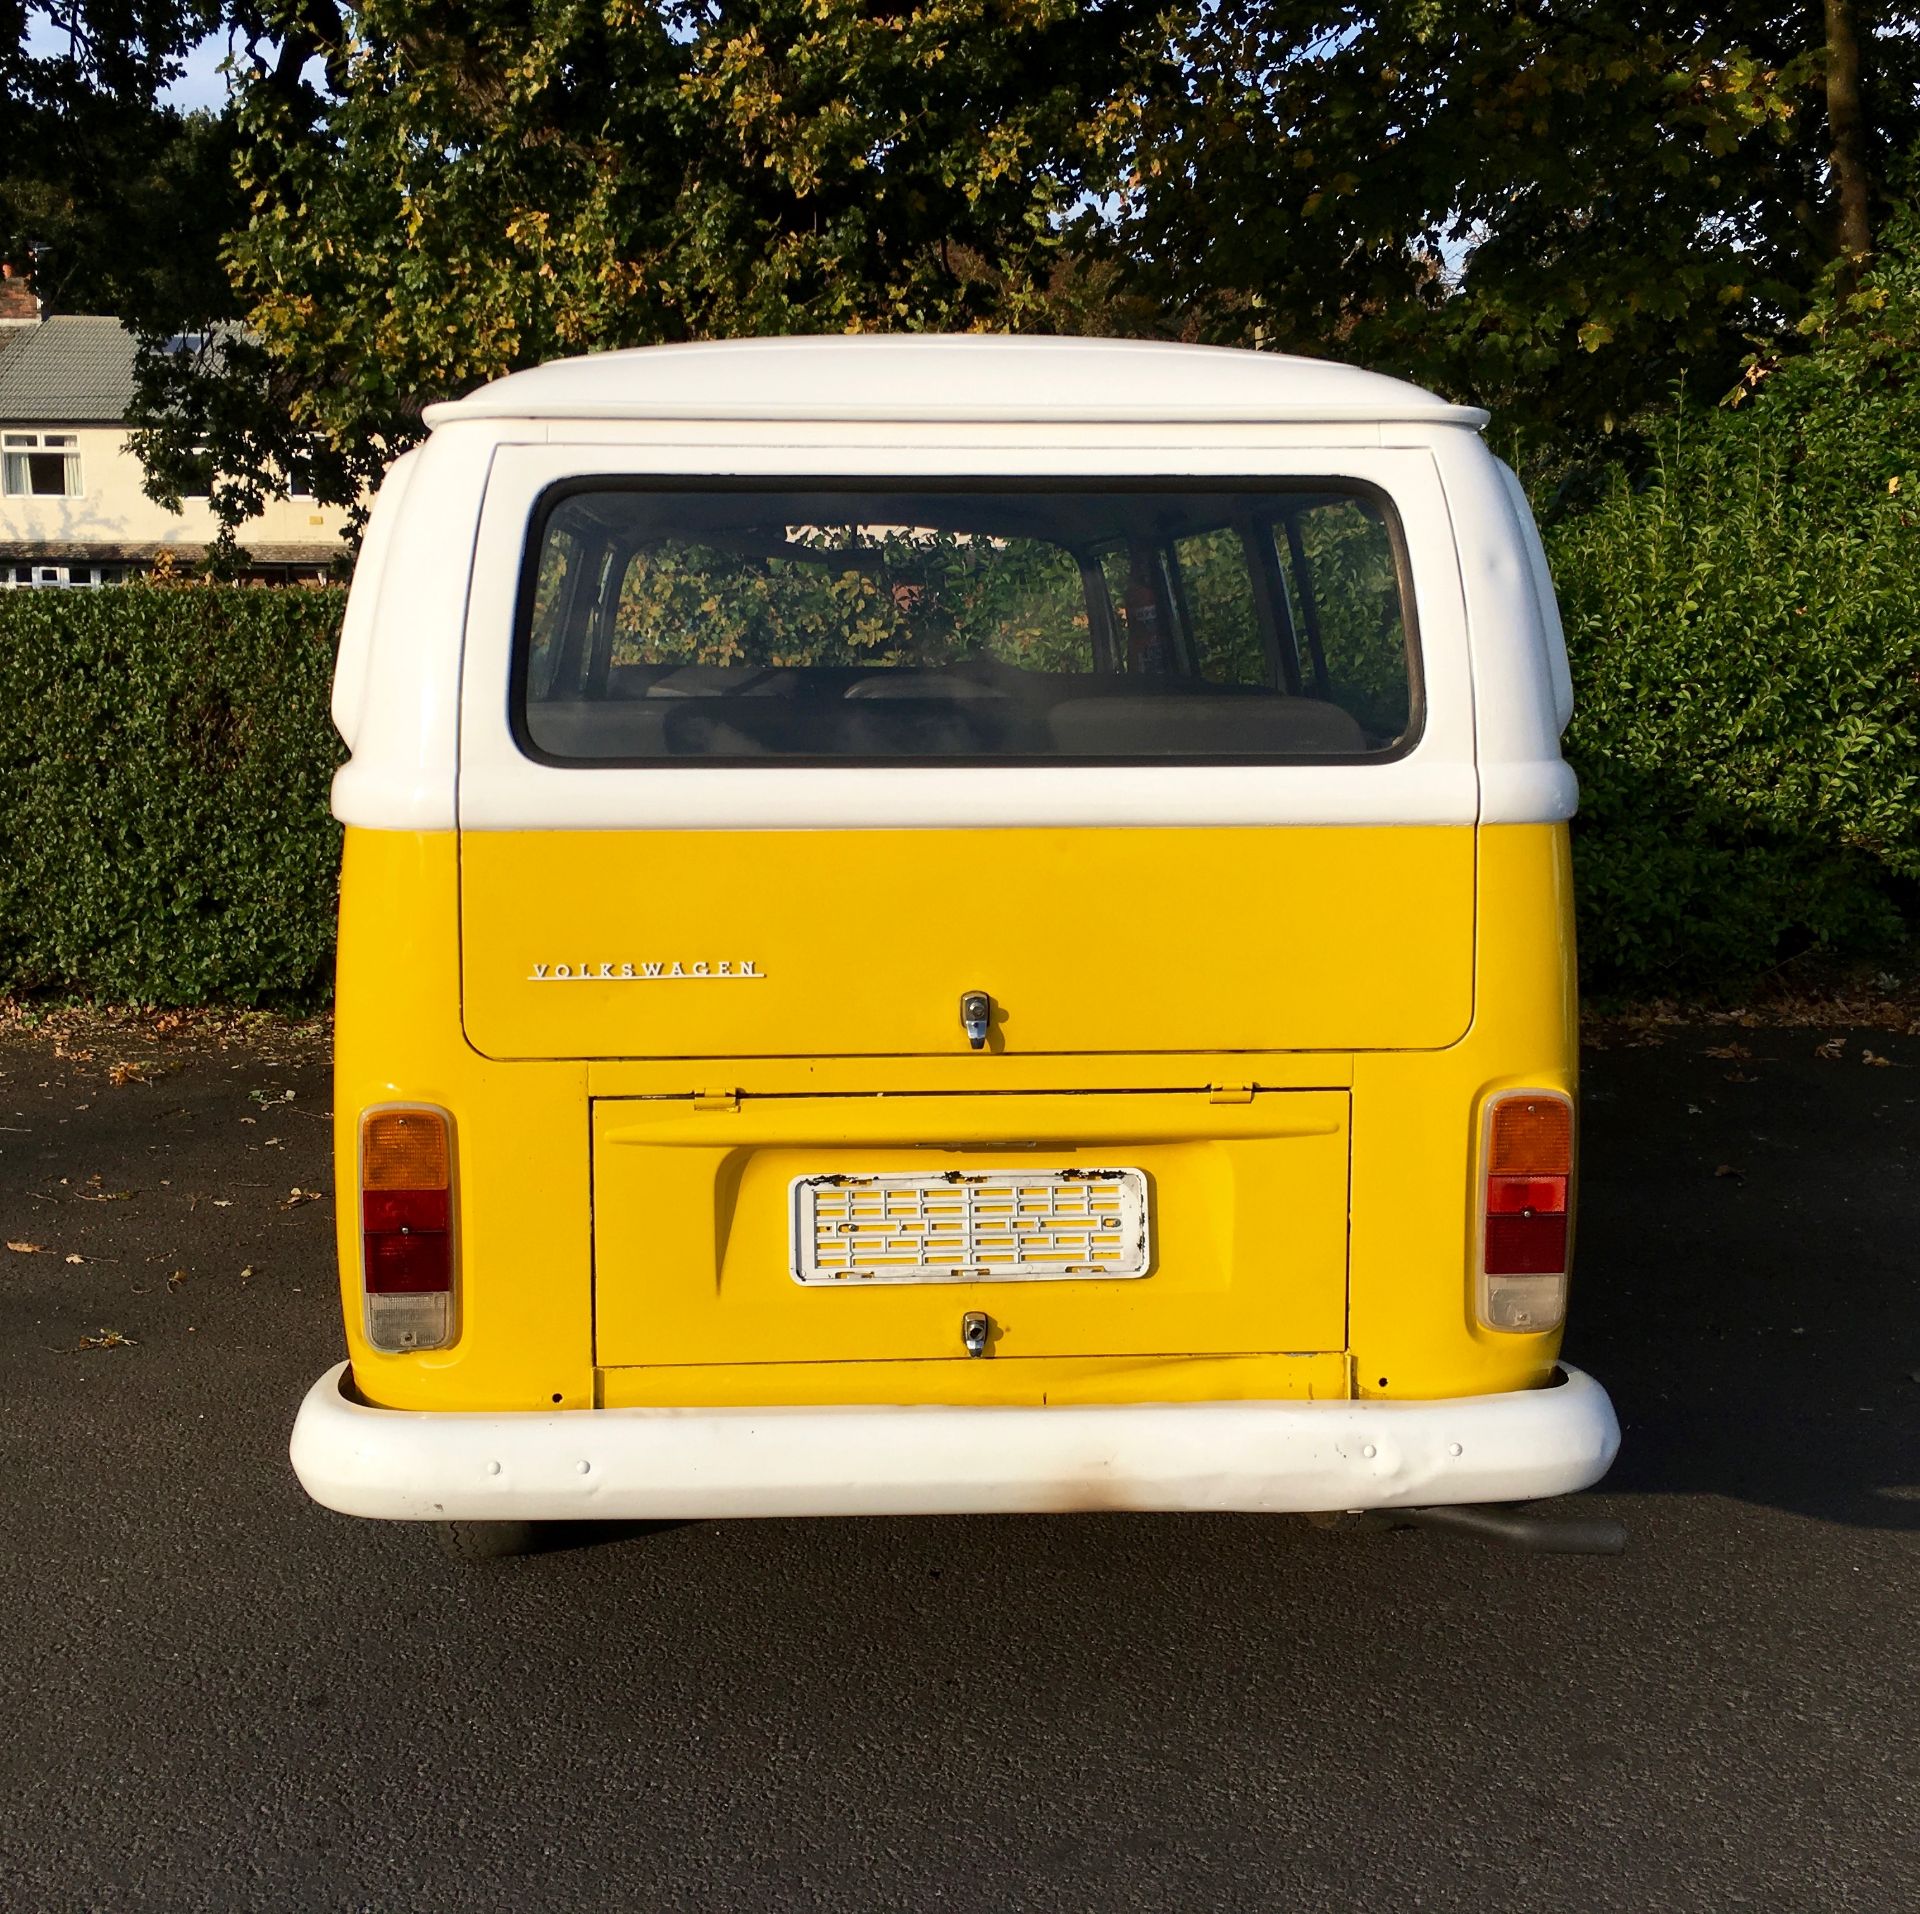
1134, 623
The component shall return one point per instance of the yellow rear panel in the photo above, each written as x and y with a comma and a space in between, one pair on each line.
693, 1221
623, 1237
839, 943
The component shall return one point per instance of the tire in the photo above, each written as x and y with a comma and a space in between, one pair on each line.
487, 1541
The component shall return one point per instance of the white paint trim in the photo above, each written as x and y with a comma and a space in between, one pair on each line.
497, 795
1552, 631
433, 608
1543, 791
962, 378
693, 1464
354, 660
405, 719
1517, 724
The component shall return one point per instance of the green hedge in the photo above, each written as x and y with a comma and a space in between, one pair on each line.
164, 758
1743, 617
1747, 729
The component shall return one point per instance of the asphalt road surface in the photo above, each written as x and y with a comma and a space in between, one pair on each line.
216, 1695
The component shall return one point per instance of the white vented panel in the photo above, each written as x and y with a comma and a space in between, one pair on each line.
971, 1226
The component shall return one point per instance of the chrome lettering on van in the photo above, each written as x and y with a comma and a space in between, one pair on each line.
657, 970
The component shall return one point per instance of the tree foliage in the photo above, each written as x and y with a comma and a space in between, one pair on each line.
1744, 625
1559, 207
478, 188
118, 202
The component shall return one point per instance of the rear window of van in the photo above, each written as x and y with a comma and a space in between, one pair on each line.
742, 624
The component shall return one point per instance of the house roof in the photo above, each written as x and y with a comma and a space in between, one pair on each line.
954, 378
68, 370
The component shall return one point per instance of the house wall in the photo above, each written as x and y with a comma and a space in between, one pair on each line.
112, 510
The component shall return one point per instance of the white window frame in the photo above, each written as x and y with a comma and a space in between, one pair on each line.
44, 577
21, 445
499, 788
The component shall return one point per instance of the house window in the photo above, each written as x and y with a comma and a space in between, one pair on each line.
27, 577
41, 464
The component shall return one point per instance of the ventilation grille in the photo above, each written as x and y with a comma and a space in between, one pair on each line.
971, 1226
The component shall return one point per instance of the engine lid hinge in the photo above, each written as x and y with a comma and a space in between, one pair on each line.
716, 1099
1230, 1093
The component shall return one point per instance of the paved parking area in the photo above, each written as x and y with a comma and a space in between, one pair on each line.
216, 1695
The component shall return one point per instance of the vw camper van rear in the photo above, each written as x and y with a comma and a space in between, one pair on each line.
940, 925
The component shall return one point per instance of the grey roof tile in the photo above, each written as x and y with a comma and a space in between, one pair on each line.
67, 370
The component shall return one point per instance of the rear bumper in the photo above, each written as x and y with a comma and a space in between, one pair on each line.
650, 1464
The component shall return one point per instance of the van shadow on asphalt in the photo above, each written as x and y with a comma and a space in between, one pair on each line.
1745, 1275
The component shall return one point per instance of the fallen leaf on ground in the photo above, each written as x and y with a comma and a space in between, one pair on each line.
248, 1270
1739, 1076
176, 1278
1727, 1169
1832, 1050
106, 1339
296, 1196
122, 1073
1728, 1052
30, 1249
74, 1256
1879, 1062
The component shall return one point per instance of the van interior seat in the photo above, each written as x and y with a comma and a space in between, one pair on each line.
1204, 726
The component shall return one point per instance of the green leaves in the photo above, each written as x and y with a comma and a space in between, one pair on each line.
1557, 212
166, 756
1744, 626
476, 198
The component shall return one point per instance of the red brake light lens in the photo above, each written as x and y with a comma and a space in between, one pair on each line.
406, 1265
388, 1212
1526, 1245
1525, 1195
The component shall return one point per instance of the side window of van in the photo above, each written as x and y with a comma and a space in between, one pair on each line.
1215, 588
1118, 623
1343, 590
561, 597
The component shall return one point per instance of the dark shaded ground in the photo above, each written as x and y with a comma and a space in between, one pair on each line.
216, 1695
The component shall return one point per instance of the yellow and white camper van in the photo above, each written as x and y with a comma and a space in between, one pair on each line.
952, 925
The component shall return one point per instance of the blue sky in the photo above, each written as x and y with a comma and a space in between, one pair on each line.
202, 84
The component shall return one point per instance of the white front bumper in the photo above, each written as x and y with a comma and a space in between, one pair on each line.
651, 1464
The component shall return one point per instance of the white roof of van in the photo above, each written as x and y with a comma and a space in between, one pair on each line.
955, 378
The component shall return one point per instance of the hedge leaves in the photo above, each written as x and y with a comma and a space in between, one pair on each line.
164, 758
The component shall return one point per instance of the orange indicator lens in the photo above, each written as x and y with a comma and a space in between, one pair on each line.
403, 1150
1532, 1136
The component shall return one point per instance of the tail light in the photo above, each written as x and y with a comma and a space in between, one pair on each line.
1527, 1212
406, 1228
